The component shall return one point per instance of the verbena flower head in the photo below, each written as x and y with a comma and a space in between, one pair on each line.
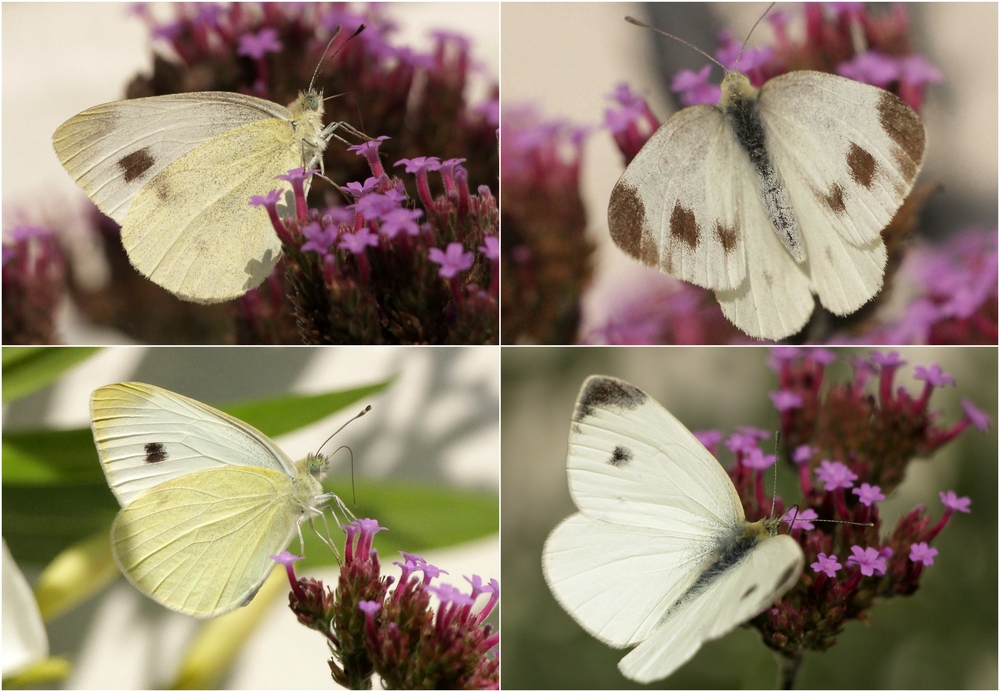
34, 285
396, 633
850, 447
545, 257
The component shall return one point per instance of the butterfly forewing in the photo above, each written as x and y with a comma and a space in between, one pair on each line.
114, 149
672, 208
146, 436
631, 462
201, 543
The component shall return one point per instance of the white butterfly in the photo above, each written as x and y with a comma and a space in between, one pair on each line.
206, 498
660, 554
773, 195
177, 173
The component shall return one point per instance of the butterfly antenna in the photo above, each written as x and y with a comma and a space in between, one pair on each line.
632, 20
323, 63
354, 494
774, 488
743, 47
365, 410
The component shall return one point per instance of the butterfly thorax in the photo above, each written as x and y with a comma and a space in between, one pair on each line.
740, 107
307, 122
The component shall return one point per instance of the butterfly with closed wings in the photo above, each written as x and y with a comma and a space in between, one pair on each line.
660, 553
177, 173
773, 195
206, 499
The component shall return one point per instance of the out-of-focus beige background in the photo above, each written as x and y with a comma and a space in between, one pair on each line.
944, 636
566, 57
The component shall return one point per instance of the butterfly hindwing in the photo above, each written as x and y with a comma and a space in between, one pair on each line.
200, 543
740, 593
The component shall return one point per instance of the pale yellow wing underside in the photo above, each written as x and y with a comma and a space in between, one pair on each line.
200, 544
191, 228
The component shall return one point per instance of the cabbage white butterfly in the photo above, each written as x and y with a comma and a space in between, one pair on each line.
177, 173
660, 553
772, 196
206, 498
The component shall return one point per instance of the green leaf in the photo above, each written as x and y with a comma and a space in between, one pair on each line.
280, 415
28, 369
39, 522
68, 456
50, 457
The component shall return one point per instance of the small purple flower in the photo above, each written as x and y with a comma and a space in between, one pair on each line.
955, 503
802, 454
449, 594
786, 400
420, 163
979, 419
892, 359
868, 494
835, 475
491, 248
800, 519
258, 45
933, 375
756, 433
271, 198
709, 438
871, 67
358, 242
694, 87
868, 560
398, 221
359, 190
917, 71
453, 260
827, 565
738, 442
375, 205
369, 608
823, 356
756, 459
319, 238
922, 553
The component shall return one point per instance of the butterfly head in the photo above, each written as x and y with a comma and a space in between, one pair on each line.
316, 465
736, 87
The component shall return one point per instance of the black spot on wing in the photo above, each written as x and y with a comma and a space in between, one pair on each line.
135, 164
862, 166
155, 453
603, 392
621, 456
628, 224
786, 576
684, 226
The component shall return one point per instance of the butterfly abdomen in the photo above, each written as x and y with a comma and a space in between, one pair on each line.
741, 110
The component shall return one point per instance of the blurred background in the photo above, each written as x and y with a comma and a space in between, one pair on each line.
943, 636
434, 429
566, 58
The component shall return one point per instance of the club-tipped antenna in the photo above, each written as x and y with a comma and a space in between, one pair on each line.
323, 63
365, 410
